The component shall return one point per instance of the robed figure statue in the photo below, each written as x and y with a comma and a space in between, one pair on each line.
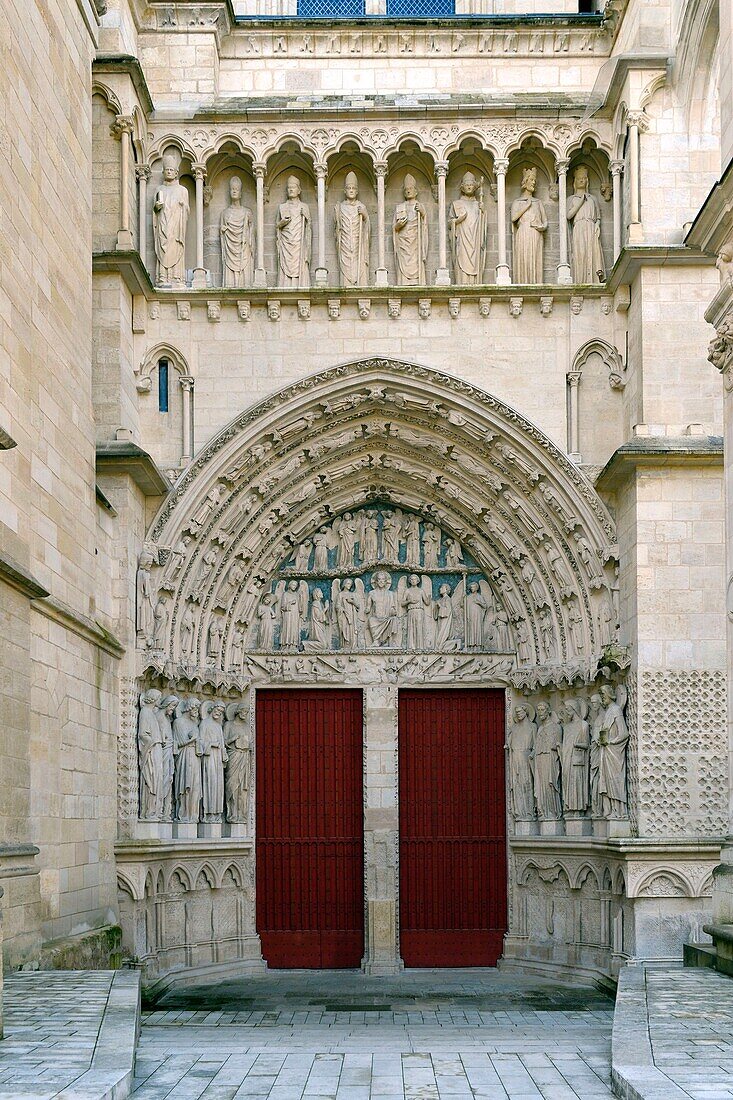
294, 235
410, 237
584, 219
170, 218
467, 225
235, 229
351, 227
529, 225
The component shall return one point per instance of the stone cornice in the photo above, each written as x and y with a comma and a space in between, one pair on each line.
17, 860
132, 851
129, 266
90, 11
118, 458
612, 78
79, 624
656, 451
714, 223
15, 575
634, 257
127, 64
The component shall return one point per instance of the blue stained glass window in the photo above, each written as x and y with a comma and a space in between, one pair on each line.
420, 9
330, 9
163, 385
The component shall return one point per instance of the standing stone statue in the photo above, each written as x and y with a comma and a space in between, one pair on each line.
150, 754
595, 714
188, 627
369, 535
529, 225
266, 615
239, 762
346, 540
477, 608
415, 601
293, 610
320, 628
351, 226
237, 239
521, 742
431, 545
382, 623
145, 600
391, 527
166, 710
547, 764
170, 218
160, 619
613, 738
410, 237
574, 755
584, 218
187, 750
213, 758
443, 615
348, 605
294, 234
467, 227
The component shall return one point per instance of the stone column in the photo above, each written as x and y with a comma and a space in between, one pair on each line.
574, 377
443, 274
187, 418
199, 275
122, 129
142, 171
564, 275
503, 277
380, 169
260, 277
617, 168
381, 837
637, 122
321, 270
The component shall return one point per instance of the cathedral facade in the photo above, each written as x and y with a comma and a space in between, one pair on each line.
363, 528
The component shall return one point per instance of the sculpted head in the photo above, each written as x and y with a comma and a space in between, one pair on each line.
543, 711
168, 705
520, 713
217, 710
346, 585
529, 180
351, 186
409, 187
444, 590
151, 697
469, 183
293, 188
317, 594
581, 179
267, 598
608, 695
381, 579
473, 586
193, 709
414, 580
170, 168
235, 188
292, 586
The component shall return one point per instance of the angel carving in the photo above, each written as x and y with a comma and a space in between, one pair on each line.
320, 627
347, 600
478, 607
448, 616
292, 597
414, 597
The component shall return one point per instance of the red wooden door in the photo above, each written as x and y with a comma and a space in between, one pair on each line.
310, 831
453, 891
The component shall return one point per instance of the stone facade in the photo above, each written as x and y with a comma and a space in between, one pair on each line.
391, 383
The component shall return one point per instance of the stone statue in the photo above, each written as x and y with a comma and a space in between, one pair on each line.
584, 218
237, 650
595, 714
382, 623
239, 762
216, 630
320, 629
467, 228
574, 757
346, 540
521, 741
213, 758
503, 631
410, 237
160, 617
235, 230
188, 626
170, 218
443, 615
547, 764
478, 607
320, 558
547, 633
145, 600
293, 231
369, 536
391, 528
351, 226
613, 738
266, 615
166, 710
178, 556
415, 600
431, 545
187, 750
293, 600
150, 755
413, 542
303, 555
348, 602
453, 554
529, 575
529, 225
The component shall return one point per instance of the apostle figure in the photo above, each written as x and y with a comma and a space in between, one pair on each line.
213, 758
547, 764
369, 536
431, 545
145, 603
150, 754
291, 614
348, 608
529, 224
411, 535
467, 226
166, 710
346, 540
170, 218
574, 757
613, 737
293, 238
584, 218
596, 712
521, 741
415, 601
235, 229
351, 226
410, 237
266, 614
239, 762
187, 750
391, 528
477, 608
320, 629
443, 615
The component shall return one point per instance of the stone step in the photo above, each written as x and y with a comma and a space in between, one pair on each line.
699, 954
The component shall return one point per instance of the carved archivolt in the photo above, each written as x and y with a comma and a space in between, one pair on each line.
379, 435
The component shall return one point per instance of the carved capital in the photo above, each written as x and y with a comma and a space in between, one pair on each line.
441, 169
320, 170
574, 377
640, 119
259, 170
720, 351
380, 169
123, 124
562, 167
199, 172
186, 381
142, 172
501, 166
616, 168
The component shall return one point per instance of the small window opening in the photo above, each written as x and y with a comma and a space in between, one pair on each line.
163, 385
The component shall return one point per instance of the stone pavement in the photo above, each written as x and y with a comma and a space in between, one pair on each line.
673, 1035
425, 1035
68, 1034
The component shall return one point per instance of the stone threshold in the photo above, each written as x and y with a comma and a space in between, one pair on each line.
633, 1072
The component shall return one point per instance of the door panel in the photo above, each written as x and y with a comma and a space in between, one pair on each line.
453, 893
310, 832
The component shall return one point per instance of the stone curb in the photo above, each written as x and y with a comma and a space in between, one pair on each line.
633, 1073
110, 1075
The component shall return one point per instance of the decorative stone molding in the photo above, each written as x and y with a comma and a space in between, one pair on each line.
610, 357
